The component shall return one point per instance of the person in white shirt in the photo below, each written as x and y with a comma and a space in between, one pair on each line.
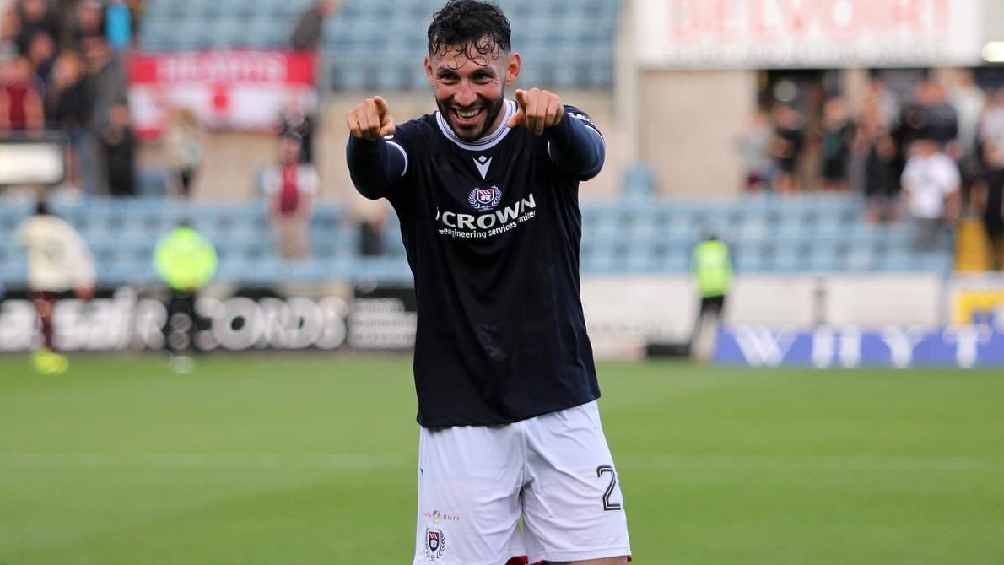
931, 192
58, 262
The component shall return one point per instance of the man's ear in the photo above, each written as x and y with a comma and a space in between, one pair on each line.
427, 63
513, 68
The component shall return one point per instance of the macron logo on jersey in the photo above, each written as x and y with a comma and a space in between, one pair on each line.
482, 163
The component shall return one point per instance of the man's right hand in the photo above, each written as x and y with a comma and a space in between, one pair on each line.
371, 119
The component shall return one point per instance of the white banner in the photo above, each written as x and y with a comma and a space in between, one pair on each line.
721, 34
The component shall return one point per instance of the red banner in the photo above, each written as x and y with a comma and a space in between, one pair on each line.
242, 90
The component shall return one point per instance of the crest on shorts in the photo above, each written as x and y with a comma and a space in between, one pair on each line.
435, 544
482, 199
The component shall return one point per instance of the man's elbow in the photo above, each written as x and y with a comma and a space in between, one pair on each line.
369, 190
594, 165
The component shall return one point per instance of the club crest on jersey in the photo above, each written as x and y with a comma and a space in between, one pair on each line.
482, 199
435, 544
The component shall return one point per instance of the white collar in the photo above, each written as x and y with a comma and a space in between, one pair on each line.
486, 142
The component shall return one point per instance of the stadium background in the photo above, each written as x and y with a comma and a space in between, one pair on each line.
307, 457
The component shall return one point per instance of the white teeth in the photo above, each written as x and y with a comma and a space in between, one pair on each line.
467, 114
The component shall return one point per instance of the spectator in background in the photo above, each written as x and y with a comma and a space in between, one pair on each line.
371, 219
968, 100
296, 119
927, 116
184, 144
118, 144
68, 108
310, 27
837, 139
87, 24
42, 56
118, 25
186, 261
35, 16
875, 149
9, 25
988, 201
753, 144
991, 132
886, 103
290, 188
786, 147
58, 261
106, 82
931, 190
20, 102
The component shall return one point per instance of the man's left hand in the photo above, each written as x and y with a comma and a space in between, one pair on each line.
538, 109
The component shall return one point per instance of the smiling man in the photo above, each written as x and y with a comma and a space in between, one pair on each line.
487, 193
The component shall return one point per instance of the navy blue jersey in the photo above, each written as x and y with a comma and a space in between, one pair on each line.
492, 231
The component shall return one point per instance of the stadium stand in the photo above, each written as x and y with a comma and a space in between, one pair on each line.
377, 44
814, 233
201, 24
562, 47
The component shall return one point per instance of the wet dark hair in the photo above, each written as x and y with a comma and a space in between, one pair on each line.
469, 24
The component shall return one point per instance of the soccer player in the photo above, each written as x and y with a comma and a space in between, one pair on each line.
58, 261
487, 193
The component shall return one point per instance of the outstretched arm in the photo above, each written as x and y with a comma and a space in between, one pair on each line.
375, 164
574, 145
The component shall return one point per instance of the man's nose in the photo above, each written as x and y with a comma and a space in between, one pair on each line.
465, 95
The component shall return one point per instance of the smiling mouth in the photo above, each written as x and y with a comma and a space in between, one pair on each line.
467, 115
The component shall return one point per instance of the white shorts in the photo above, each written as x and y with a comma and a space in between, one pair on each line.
553, 471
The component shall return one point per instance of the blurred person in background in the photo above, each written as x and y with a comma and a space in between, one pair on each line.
107, 85
875, 149
931, 192
371, 219
969, 101
927, 115
753, 144
118, 24
183, 141
310, 26
186, 262
886, 102
9, 25
486, 190
33, 17
20, 102
786, 147
991, 132
118, 144
87, 23
712, 267
58, 262
42, 56
837, 139
68, 109
988, 202
290, 187
295, 118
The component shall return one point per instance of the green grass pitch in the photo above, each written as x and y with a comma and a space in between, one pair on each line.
282, 460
